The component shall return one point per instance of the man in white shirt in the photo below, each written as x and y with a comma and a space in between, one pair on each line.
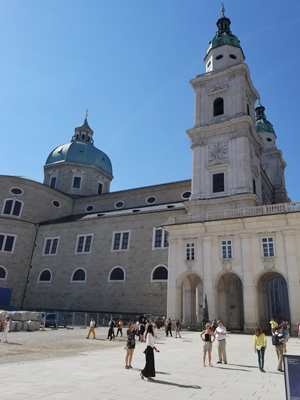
220, 333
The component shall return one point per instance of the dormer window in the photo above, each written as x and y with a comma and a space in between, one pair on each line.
219, 57
218, 106
76, 182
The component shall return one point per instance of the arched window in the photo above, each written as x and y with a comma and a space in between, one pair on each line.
79, 275
3, 273
218, 106
12, 207
45, 276
117, 274
159, 274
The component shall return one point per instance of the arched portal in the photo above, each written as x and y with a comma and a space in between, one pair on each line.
273, 299
191, 299
230, 301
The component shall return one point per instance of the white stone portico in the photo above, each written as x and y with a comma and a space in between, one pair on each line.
235, 287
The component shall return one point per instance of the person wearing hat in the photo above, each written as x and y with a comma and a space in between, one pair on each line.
208, 337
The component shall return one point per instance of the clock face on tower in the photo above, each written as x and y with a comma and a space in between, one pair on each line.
218, 150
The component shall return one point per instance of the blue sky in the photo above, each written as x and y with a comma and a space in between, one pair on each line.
129, 62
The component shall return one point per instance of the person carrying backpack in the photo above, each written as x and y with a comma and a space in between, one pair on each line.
280, 346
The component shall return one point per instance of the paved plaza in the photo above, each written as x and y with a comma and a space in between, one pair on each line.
99, 373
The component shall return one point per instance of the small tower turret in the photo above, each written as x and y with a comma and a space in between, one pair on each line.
224, 50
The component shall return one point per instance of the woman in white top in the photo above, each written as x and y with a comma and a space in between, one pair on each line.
5, 329
149, 370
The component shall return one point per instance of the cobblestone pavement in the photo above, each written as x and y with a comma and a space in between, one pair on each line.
64, 365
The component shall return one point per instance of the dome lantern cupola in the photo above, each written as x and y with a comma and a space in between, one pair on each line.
83, 133
262, 124
225, 49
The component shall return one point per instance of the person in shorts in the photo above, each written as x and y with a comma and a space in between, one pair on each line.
208, 337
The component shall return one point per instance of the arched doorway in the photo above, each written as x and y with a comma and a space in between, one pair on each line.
191, 300
273, 299
230, 303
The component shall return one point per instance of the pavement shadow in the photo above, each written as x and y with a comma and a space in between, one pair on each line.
176, 384
234, 369
245, 366
15, 344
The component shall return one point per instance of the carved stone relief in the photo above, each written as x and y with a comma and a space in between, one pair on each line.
269, 264
227, 265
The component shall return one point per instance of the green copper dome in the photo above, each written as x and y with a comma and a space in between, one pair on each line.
224, 35
81, 150
81, 153
262, 124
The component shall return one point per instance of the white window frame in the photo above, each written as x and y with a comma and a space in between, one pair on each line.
121, 240
85, 235
189, 247
77, 176
46, 269
114, 280
4, 241
6, 273
159, 280
12, 207
227, 248
71, 281
51, 245
268, 237
164, 233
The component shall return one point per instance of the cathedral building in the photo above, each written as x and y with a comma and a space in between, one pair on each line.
230, 234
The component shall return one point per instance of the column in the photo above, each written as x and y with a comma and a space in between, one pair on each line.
293, 278
174, 292
208, 289
249, 291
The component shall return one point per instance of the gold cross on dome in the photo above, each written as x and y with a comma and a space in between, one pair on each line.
86, 113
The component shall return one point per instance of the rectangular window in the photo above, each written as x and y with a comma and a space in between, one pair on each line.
218, 183
268, 247
226, 249
254, 186
7, 242
53, 182
84, 244
76, 182
12, 207
190, 251
50, 246
120, 241
160, 238
100, 188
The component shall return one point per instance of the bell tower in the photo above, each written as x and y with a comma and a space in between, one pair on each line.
226, 147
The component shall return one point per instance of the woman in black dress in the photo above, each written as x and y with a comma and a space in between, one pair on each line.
131, 332
149, 370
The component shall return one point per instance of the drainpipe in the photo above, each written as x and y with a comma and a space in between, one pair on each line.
30, 263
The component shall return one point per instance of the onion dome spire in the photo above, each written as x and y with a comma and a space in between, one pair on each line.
262, 124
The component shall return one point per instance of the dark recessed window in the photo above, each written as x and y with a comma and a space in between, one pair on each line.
269, 140
119, 204
79, 275
218, 106
160, 274
117, 274
100, 215
232, 56
209, 64
218, 183
219, 57
76, 182
83, 136
151, 200
45, 276
254, 186
16, 191
135, 211
186, 195
56, 203
248, 109
170, 206
100, 188
53, 182
2, 273
12, 207
89, 208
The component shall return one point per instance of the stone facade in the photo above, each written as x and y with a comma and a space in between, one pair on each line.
230, 234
